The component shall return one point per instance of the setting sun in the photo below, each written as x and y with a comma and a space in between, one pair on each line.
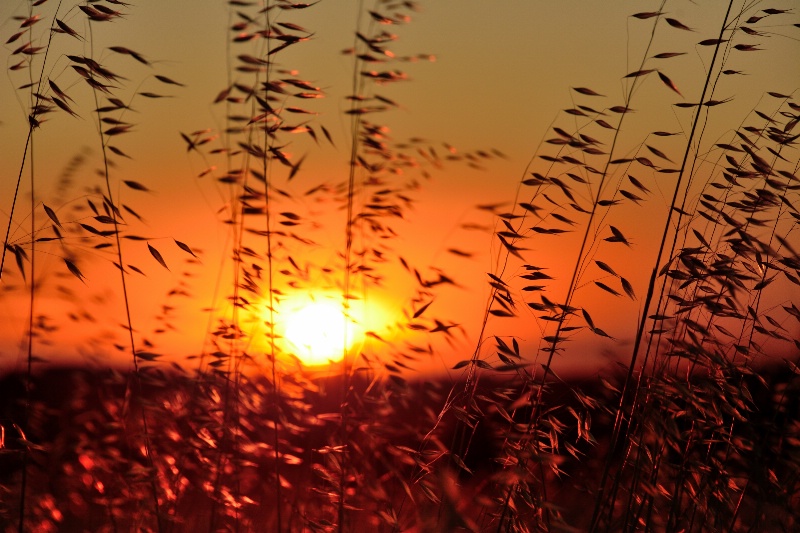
317, 331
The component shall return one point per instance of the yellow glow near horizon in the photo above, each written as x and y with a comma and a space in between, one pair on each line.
319, 332
315, 330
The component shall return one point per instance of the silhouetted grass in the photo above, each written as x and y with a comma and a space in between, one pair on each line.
694, 429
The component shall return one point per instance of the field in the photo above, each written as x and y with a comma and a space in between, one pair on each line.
301, 310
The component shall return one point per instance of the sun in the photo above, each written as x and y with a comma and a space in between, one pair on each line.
318, 331
312, 328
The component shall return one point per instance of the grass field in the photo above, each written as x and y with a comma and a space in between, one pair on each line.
317, 337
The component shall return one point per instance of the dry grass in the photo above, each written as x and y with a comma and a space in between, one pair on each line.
695, 429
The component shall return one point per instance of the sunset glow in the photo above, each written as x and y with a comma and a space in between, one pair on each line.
425, 265
318, 332
313, 327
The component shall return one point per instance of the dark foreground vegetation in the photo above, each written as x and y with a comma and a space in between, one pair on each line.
87, 473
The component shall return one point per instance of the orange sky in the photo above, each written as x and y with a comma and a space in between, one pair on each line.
502, 76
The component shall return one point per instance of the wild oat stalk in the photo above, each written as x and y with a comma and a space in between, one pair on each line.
538, 440
651, 284
36, 110
51, 98
561, 312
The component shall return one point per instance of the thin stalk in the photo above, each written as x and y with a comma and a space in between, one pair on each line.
29, 369
126, 300
16, 194
572, 286
236, 223
349, 231
32, 123
653, 276
270, 281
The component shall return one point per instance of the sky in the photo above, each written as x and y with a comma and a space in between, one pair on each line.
503, 74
